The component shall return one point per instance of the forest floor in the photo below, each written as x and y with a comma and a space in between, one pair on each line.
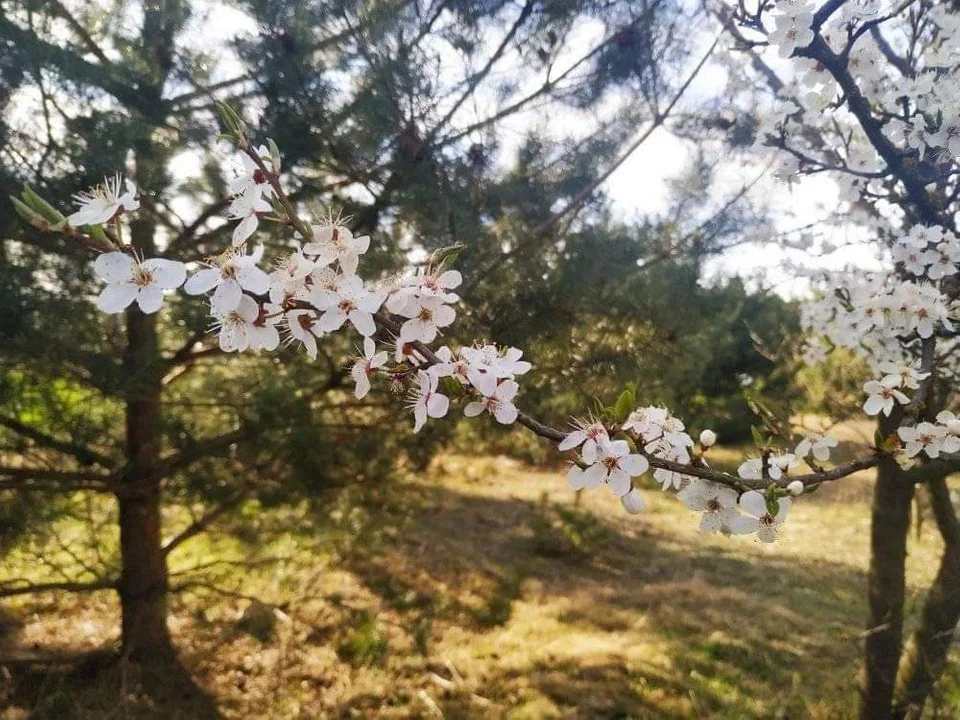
483, 588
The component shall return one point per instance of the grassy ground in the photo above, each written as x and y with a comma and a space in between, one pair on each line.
486, 589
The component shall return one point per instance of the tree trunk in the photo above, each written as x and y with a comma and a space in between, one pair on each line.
143, 575
926, 654
890, 524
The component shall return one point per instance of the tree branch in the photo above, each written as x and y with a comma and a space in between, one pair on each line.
84, 454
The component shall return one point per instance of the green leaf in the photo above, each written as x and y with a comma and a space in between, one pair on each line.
757, 435
41, 206
231, 121
274, 155
625, 405
28, 214
446, 256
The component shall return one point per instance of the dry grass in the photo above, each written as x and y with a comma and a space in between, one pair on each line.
486, 589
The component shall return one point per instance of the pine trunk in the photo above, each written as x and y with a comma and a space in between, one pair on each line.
143, 574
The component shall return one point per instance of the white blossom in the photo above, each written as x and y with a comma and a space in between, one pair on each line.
104, 202
130, 279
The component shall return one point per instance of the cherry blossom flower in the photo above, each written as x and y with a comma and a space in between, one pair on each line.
365, 365
496, 398
901, 374
303, 325
924, 437
103, 203
289, 279
717, 503
247, 208
819, 445
501, 363
231, 274
589, 435
352, 302
882, 396
247, 326
766, 525
424, 326
251, 180
336, 243
791, 32
449, 365
130, 279
426, 401
615, 465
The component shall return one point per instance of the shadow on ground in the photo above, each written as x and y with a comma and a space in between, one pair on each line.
442, 600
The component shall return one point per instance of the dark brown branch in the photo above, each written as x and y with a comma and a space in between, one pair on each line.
84, 454
32, 588
202, 523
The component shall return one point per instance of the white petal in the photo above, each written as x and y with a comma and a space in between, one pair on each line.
506, 413
634, 465
575, 477
438, 405
572, 440
226, 297
332, 319
754, 503
619, 482
168, 274
244, 230
873, 405
202, 281
150, 298
116, 297
363, 322
253, 279
114, 267
450, 279
473, 409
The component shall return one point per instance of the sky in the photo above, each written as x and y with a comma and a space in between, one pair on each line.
637, 189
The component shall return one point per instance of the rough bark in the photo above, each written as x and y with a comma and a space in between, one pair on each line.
143, 576
890, 524
926, 654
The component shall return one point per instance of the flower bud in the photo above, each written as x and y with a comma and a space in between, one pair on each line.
633, 502
795, 487
708, 438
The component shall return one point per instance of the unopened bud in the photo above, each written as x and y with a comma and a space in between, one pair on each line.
795, 487
708, 438
633, 502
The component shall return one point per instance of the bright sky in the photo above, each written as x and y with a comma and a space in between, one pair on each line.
638, 188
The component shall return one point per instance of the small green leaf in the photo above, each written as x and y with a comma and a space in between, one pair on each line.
41, 206
29, 214
274, 155
445, 257
624, 406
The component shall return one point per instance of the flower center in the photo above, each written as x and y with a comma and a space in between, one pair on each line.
347, 306
142, 277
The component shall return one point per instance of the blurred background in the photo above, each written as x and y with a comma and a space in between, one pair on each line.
306, 555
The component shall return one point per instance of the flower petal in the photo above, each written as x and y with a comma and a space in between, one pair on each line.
116, 297
114, 267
